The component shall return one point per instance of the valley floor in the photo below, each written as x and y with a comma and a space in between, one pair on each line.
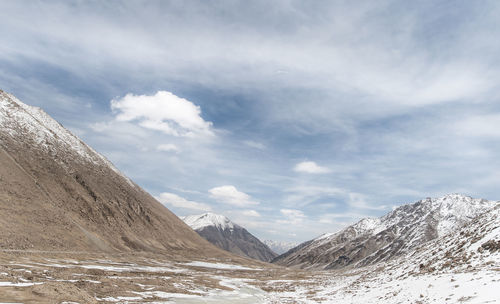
38, 277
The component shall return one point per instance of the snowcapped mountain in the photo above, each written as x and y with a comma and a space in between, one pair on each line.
280, 247
59, 194
380, 239
220, 231
458, 267
218, 221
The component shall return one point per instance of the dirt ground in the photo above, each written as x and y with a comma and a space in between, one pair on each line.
48, 277
69, 277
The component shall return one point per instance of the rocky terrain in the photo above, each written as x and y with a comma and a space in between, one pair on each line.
57, 193
401, 231
460, 267
220, 231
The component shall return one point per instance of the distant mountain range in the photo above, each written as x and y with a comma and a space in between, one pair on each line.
401, 231
220, 231
280, 247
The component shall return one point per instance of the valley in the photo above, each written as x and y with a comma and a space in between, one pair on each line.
74, 229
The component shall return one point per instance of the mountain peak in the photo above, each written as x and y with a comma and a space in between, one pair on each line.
220, 231
20, 120
209, 219
374, 239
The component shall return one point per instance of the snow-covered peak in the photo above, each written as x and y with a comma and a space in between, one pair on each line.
455, 209
28, 123
373, 225
449, 211
398, 232
208, 219
366, 225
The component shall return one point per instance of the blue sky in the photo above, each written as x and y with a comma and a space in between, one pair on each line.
293, 118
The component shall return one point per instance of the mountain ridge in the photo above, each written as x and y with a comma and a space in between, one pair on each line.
377, 239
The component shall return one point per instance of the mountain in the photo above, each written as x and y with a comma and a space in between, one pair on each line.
470, 247
279, 247
381, 239
57, 193
220, 231
459, 267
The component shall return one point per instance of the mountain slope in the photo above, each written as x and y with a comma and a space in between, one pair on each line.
220, 231
459, 267
57, 193
380, 239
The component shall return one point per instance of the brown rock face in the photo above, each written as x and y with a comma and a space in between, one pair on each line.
56, 193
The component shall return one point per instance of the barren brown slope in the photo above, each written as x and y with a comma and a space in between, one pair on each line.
56, 193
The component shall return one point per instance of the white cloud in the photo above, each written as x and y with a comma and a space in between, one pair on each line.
292, 216
254, 144
163, 112
304, 195
310, 167
307, 191
230, 195
168, 148
358, 200
172, 199
479, 126
251, 213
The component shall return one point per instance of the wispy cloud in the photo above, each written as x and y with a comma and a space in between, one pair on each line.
168, 148
251, 213
292, 216
304, 195
254, 144
310, 167
358, 201
396, 100
175, 200
482, 126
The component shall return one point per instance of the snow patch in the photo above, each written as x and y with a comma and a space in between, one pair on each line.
219, 266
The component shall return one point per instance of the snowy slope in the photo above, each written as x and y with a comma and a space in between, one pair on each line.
459, 267
398, 232
220, 231
208, 219
32, 123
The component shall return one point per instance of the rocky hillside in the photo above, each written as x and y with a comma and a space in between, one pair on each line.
380, 239
57, 193
220, 231
459, 267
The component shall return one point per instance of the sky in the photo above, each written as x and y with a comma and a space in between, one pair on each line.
292, 118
